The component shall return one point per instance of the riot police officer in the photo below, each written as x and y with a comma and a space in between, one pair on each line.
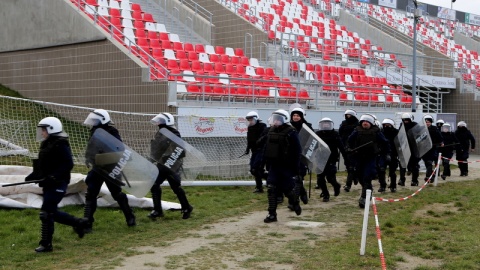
390, 132
439, 124
345, 130
100, 119
412, 166
255, 130
297, 119
431, 157
365, 143
159, 146
327, 133
282, 154
467, 144
450, 144
54, 165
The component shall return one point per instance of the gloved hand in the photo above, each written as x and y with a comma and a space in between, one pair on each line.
388, 158
50, 181
247, 152
29, 178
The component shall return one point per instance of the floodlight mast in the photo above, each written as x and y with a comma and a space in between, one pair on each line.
417, 13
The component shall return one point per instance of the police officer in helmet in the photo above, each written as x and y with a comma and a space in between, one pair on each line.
467, 144
391, 163
412, 166
158, 148
100, 118
54, 165
327, 133
366, 143
345, 130
282, 154
256, 128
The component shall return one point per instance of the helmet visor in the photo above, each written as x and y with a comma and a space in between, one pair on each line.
325, 125
251, 121
92, 120
42, 134
276, 120
158, 120
446, 128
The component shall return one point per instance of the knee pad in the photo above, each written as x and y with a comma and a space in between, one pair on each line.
44, 216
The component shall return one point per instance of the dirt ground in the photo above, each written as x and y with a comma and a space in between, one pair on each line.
231, 237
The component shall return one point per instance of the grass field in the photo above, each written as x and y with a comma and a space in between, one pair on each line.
439, 225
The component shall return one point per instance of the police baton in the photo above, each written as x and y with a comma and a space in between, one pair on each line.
244, 154
363, 145
23, 183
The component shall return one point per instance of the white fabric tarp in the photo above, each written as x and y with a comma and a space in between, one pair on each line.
30, 195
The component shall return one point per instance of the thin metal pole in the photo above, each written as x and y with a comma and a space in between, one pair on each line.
414, 71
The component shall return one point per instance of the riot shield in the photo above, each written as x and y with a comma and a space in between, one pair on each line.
420, 139
403, 149
314, 150
119, 164
173, 153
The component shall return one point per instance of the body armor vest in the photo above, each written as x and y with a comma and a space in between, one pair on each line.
254, 133
365, 136
277, 143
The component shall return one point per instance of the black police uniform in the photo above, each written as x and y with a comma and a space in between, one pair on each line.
173, 178
345, 130
392, 162
451, 143
466, 141
254, 133
54, 165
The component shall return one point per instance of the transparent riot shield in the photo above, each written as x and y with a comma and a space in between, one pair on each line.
420, 138
119, 164
402, 147
173, 153
314, 150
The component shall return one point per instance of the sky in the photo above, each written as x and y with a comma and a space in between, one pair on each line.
470, 6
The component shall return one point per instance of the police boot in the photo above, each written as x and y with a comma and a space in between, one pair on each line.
45, 245
402, 177
78, 224
393, 183
336, 186
348, 184
127, 211
415, 178
258, 184
88, 210
272, 204
186, 207
361, 202
382, 181
157, 202
301, 191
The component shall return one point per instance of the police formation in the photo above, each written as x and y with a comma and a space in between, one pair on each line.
54, 164
370, 149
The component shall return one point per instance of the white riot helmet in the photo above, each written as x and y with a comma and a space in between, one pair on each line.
351, 112
462, 124
446, 127
299, 111
278, 118
388, 121
325, 124
253, 115
407, 116
163, 119
428, 117
52, 125
368, 118
97, 117
440, 122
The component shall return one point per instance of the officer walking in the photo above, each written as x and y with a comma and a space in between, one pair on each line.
412, 166
327, 133
467, 144
431, 156
256, 128
390, 132
282, 154
345, 130
54, 165
159, 146
366, 142
450, 144
297, 120
100, 118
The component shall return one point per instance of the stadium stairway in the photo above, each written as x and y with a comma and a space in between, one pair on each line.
171, 23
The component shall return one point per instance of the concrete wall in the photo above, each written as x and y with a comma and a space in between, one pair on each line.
95, 74
466, 107
28, 24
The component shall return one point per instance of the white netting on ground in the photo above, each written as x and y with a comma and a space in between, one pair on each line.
221, 139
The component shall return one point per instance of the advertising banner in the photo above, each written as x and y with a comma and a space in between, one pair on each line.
388, 3
446, 13
472, 19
